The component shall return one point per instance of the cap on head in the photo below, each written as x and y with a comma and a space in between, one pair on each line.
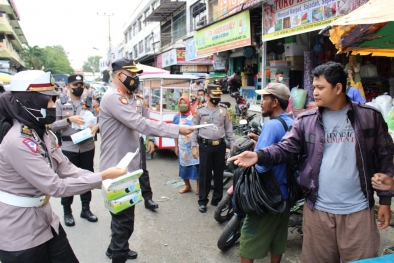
214, 89
87, 83
33, 80
279, 90
73, 79
126, 64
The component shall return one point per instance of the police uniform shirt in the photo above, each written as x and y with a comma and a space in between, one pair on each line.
220, 117
64, 111
120, 126
137, 103
27, 170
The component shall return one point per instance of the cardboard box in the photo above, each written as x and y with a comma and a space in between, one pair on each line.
121, 182
127, 188
296, 60
123, 203
81, 136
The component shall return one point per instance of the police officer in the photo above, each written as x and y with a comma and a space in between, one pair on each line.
81, 154
33, 168
137, 102
208, 144
120, 126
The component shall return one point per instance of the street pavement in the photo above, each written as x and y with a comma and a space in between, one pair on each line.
176, 233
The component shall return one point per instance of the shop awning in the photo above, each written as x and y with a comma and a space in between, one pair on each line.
367, 30
148, 70
165, 9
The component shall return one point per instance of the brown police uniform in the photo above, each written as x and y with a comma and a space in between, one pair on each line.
137, 102
41, 172
120, 126
81, 154
212, 147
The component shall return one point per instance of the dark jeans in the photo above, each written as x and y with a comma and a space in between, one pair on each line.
84, 161
122, 226
146, 189
211, 158
55, 250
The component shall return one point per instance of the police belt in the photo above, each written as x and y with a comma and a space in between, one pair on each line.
66, 138
210, 142
22, 201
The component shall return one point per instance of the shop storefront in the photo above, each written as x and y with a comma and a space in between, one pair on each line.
291, 40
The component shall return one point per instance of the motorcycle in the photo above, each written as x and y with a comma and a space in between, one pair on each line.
232, 231
241, 107
223, 83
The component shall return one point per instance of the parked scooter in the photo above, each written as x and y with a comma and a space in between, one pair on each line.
241, 107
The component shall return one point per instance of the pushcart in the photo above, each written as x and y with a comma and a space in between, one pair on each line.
161, 95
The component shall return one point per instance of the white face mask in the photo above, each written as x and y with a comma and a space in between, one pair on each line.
280, 79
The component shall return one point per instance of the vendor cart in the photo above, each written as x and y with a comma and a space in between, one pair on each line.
161, 95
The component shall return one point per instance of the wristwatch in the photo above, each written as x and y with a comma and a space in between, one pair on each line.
68, 121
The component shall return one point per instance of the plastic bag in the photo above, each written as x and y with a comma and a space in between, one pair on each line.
385, 102
299, 98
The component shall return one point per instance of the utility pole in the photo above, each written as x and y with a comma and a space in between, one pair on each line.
109, 26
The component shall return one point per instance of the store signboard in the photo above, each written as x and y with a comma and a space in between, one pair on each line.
159, 61
282, 18
169, 58
219, 61
227, 34
225, 8
190, 49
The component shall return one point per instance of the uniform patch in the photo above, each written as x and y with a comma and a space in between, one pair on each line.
195, 114
120, 91
31, 145
123, 100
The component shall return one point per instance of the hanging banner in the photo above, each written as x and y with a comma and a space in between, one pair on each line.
227, 34
283, 18
169, 58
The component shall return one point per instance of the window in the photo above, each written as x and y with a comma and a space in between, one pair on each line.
155, 4
179, 25
165, 35
141, 47
198, 16
139, 24
125, 38
130, 32
135, 51
148, 44
146, 14
134, 29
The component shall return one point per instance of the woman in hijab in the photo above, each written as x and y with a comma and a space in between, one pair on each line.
32, 169
188, 166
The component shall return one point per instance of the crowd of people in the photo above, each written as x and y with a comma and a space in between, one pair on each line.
343, 151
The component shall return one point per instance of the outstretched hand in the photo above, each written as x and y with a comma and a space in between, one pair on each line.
244, 159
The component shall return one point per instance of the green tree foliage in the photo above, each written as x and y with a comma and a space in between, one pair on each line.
53, 58
92, 64
57, 61
34, 57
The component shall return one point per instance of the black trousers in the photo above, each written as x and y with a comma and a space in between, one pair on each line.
84, 161
211, 158
146, 189
122, 226
55, 250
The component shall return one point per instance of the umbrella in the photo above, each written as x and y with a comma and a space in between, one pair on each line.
148, 70
5, 78
367, 30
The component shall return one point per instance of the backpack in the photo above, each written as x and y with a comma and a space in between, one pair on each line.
294, 190
5, 126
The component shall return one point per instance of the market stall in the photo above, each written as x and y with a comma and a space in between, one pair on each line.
161, 94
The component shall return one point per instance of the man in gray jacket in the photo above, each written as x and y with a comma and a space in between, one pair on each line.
340, 146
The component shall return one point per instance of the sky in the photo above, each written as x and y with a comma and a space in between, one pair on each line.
74, 24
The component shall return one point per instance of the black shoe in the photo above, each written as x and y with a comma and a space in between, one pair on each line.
69, 219
87, 214
202, 208
149, 204
131, 255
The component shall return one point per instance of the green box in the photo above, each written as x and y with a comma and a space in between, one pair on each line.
118, 205
289, 40
128, 188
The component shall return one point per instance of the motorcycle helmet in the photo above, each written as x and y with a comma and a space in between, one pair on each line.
241, 145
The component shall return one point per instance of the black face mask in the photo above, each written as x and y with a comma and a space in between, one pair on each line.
77, 91
131, 83
214, 101
48, 115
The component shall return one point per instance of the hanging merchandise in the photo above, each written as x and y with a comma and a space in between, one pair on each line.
308, 80
368, 70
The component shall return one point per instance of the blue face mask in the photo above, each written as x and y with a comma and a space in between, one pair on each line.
280, 79
201, 99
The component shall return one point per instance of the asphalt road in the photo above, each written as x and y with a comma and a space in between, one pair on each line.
176, 233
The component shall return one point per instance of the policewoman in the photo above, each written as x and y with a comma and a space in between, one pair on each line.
32, 169
120, 128
209, 146
137, 102
81, 154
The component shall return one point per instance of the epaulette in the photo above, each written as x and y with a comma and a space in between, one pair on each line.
223, 105
139, 96
202, 105
26, 130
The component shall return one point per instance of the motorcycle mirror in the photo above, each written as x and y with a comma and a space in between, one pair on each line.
243, 122
255, 124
